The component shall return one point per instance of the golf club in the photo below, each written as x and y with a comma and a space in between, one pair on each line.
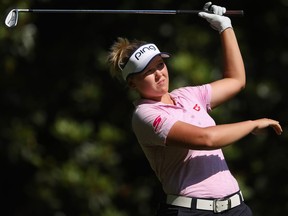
12, 17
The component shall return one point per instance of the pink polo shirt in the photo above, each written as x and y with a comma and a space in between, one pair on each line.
194, 173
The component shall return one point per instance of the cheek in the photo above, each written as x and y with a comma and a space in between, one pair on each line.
144, 85
165, 71
135, 83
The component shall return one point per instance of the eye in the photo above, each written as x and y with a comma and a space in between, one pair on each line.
149, 71
160, 66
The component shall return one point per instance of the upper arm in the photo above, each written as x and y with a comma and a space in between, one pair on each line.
223, 90
189, 136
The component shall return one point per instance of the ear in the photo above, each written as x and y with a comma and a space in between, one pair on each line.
131, 84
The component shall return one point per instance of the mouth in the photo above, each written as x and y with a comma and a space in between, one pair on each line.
161, 82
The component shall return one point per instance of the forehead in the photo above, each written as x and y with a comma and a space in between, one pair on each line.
155, 60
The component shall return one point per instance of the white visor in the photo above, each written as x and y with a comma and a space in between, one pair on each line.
139, 60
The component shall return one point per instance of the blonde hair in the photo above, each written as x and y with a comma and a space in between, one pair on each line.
120, 53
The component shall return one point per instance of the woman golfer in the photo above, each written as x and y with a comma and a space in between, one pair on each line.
179, 138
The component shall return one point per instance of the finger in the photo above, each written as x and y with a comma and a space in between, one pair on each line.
207, 5
277, 128
205, 15
215, 9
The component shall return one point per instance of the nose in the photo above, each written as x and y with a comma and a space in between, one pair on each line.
158, 73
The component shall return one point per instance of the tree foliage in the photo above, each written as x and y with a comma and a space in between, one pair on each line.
66, 144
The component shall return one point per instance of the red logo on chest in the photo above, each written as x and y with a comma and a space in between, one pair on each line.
197, 107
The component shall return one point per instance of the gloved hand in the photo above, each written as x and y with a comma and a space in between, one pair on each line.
214, 16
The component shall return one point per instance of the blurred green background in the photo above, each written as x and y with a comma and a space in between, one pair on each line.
66, 145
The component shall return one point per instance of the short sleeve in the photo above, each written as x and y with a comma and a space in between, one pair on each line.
152, 125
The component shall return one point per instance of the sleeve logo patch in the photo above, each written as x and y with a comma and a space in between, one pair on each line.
156, 123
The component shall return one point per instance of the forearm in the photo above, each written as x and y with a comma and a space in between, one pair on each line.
233, 62
223, 135
192, 137
189, 136
226, 134
234, 79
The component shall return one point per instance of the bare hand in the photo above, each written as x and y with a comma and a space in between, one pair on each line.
261, 124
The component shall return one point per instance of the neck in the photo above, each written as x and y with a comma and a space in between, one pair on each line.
166, 99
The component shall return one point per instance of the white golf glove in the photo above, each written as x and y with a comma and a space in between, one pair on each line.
214, 16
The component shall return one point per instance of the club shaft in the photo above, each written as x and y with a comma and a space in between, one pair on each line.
228, 12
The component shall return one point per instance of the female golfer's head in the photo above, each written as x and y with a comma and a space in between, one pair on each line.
131, 57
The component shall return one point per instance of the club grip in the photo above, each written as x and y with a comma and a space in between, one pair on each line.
228, 12
234, 13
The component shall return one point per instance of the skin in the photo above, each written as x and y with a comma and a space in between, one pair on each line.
153, 84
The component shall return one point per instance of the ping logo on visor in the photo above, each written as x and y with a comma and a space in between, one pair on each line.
139, 60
